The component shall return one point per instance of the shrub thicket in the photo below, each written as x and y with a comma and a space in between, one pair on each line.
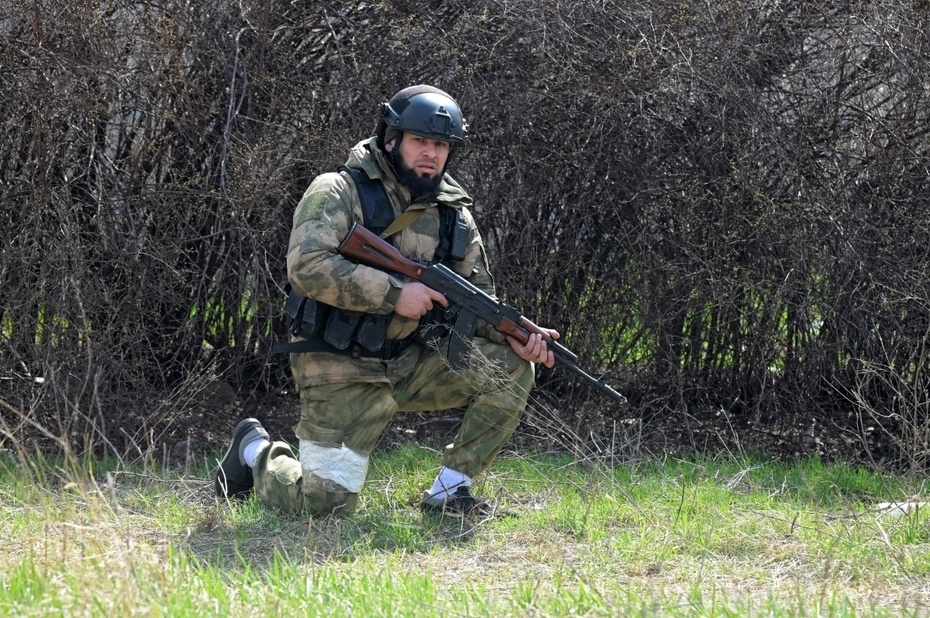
725, 203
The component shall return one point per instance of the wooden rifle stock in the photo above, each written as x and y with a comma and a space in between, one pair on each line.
365, 247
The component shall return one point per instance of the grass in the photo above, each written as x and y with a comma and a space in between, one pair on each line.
704, 537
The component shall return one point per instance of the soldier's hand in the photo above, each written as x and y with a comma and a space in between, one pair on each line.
417, 299
535, 350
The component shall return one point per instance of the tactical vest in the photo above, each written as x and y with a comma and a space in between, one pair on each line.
325, 328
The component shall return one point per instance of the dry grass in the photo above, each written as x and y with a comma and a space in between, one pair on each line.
675, 537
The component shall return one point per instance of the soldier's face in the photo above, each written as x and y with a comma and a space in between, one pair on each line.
421, 162
424, 156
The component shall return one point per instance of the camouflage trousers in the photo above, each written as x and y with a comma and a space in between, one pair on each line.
341, 424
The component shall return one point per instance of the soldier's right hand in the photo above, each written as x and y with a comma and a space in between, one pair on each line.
417, 299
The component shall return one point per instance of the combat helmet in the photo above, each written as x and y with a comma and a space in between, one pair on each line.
425, 111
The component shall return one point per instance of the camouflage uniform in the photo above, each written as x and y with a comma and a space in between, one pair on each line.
345, 402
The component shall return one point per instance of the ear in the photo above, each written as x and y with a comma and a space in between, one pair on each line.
389, 146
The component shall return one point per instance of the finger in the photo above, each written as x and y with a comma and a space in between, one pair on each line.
540, 347
527, 348
439, 298
543, 352
537, 348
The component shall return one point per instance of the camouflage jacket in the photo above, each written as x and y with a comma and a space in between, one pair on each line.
322, 220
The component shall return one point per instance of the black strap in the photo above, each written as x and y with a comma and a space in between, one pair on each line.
376, 205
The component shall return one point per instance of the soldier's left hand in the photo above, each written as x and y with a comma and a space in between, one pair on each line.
535, 350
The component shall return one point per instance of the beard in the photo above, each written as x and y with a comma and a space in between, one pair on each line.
418, 184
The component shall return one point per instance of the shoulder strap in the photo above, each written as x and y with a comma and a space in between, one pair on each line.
376, 205
406, 218
379, 217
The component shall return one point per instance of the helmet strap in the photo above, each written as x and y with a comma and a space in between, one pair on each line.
392, 154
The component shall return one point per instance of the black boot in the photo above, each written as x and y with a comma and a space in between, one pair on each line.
233, 477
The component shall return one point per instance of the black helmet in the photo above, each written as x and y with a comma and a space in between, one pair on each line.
425, 111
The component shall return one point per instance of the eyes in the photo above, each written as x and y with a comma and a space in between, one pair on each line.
437, 144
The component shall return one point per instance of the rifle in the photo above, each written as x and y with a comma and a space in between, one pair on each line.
365, 247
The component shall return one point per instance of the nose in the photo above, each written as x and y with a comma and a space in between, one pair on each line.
429, 149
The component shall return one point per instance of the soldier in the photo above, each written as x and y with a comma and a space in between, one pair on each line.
349, 392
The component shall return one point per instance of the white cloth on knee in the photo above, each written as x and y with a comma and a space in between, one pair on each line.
339, 464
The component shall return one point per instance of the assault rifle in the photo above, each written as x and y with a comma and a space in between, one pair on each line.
365, 247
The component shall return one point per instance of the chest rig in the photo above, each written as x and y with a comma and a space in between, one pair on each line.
325, 328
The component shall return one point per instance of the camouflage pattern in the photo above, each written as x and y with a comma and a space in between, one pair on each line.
350, 401
322, 220
494, 389
279, 483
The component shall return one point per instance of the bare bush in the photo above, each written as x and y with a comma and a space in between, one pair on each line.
724, 203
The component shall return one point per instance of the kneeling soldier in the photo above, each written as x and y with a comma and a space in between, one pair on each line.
363, 345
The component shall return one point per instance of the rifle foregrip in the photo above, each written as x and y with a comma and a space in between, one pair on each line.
512, 329
556, 347
526, 323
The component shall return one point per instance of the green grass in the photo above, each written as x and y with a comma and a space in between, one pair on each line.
704, 537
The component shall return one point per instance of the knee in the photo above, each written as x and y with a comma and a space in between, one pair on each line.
522, 380
525, 373
332, 477
323, 497
521, 371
